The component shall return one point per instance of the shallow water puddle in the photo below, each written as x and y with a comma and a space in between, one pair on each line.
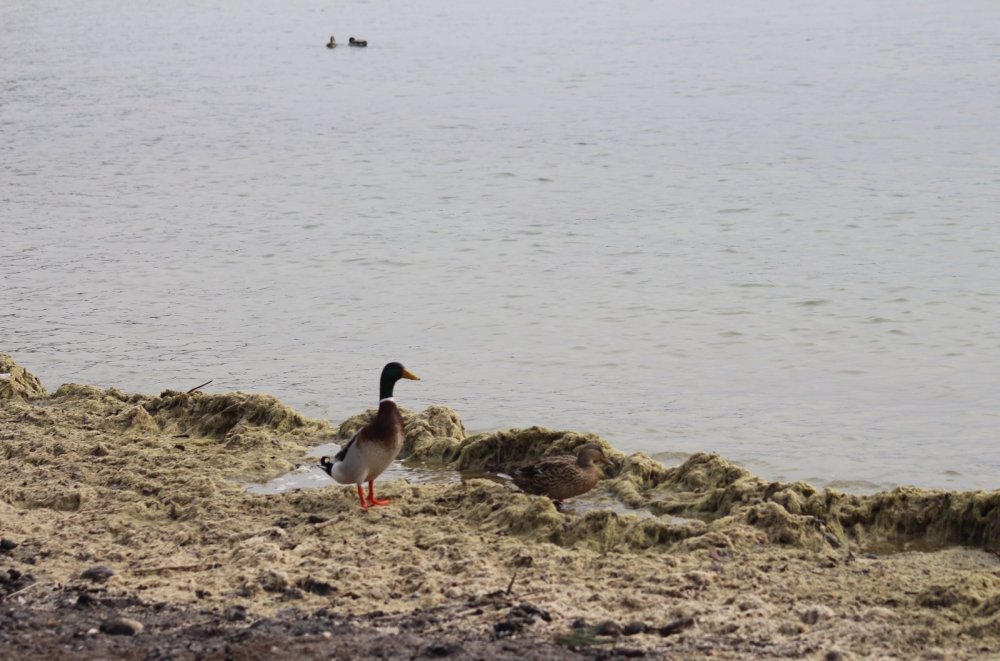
311, 476
896, 547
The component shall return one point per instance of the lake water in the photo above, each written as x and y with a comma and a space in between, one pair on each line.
763, 228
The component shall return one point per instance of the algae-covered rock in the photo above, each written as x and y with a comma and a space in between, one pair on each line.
217, 415
908, 514
111, 396
975, 593
704, 486
432, 433
61, 497
504, 450
135, 419
17, 382
780, 525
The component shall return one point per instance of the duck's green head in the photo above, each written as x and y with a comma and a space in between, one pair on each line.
392, 373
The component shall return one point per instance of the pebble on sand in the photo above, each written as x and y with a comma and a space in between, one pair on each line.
815, 614
676, 626
121, 626
634, 628
609, 628
97, 573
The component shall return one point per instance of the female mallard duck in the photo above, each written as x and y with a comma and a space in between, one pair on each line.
332, 43
563, 476
373, 448
360, 43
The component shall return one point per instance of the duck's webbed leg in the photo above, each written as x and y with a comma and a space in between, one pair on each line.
372, 500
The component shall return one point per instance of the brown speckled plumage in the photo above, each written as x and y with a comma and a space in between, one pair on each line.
563, 476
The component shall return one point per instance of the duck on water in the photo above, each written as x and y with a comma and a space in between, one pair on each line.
374, 446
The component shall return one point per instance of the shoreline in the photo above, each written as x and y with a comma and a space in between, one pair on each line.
698, 559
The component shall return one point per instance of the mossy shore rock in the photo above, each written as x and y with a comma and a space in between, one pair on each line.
17, 382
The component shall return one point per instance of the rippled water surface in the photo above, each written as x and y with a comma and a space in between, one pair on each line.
765, 228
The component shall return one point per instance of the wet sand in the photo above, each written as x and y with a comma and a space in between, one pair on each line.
117, 505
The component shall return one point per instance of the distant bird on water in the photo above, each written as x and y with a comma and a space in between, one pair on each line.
360, 43
375, 446
563, 476
332, 43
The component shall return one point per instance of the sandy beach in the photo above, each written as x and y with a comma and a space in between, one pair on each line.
127, 531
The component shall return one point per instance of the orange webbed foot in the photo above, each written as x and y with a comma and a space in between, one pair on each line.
372, 500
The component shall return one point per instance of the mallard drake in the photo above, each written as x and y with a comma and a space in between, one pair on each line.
360, 43
563, 476
332, 43
374, 446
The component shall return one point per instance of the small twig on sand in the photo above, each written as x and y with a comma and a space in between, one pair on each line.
24, 589
196, 388
105, 510
155, 570
510, 586
324, 524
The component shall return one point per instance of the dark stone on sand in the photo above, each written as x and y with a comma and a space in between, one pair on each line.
609, 628
634, 627
7, 545
517, 619
579, 623
84, 600
236, 613
121, 626
316, 518
529, 611
97, 573
310, 584
440, 650
676, 626
505, 628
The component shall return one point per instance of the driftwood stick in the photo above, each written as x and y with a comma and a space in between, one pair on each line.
155, 570
24, 589
510, 586
197, 388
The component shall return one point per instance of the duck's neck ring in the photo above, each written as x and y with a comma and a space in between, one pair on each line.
387, 399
